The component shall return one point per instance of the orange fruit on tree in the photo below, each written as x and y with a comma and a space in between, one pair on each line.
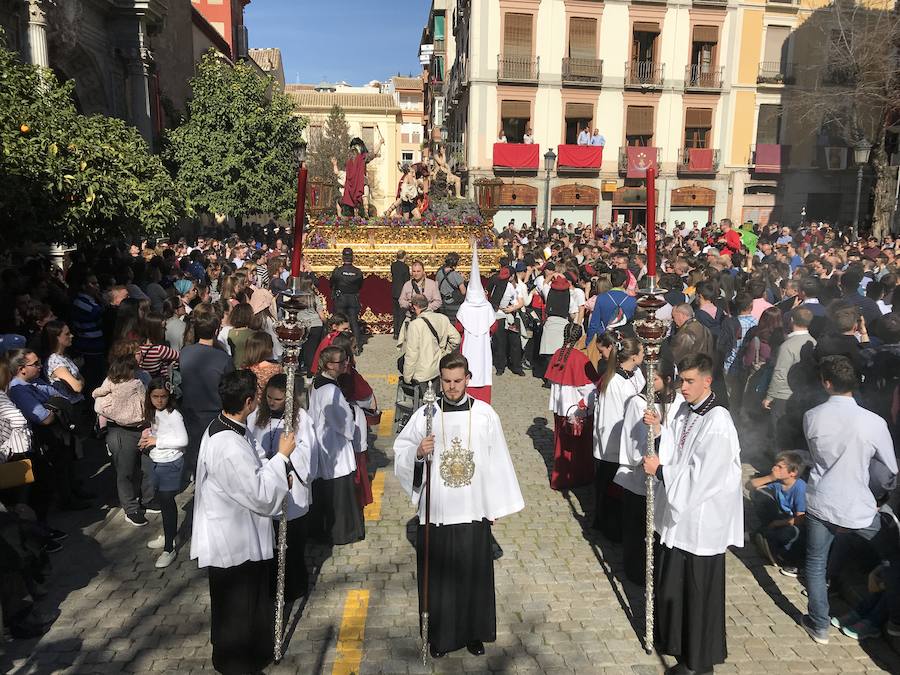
24, 128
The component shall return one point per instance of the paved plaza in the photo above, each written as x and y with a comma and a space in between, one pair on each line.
563, 605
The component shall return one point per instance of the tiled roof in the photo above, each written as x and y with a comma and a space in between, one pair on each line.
312, 100
407, 82
268, 59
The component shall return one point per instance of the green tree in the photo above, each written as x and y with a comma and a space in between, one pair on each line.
324, 144
235, 152
71, 178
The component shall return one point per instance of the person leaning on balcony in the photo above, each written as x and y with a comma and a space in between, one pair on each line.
597, 139
501, 137
584, 136
528, 139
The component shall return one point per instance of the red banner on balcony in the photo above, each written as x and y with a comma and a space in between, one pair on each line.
768, 158
700, 160
580, 156
639, 160
517, 156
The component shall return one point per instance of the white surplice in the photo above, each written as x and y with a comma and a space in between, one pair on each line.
235, 497
494, 489
699, 504
336, 430
633, 443
304, 459
609, 412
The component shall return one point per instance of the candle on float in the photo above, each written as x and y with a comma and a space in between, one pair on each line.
299, 220
651, 222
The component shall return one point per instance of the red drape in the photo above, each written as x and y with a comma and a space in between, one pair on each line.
639, 160
517, 155
700, 159
580, 156
768, 158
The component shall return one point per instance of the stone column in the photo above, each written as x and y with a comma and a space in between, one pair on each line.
37, 34
140, 66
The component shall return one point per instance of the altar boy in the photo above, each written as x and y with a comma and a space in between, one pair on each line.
236, 496
699, 514
473, 483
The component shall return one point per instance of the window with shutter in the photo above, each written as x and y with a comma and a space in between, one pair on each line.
639, 125
582, 38
697, 127
776, 44
517, 35
768, 125
578, 116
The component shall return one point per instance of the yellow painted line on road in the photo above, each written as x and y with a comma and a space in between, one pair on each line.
372, 511
386, 426
353, 629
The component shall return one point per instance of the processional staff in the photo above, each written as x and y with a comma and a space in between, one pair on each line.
428, 399
291, 331
652, 332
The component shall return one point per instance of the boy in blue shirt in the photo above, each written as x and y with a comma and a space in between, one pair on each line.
779, 503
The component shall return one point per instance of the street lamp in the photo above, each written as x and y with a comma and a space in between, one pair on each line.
549, 162
861, 157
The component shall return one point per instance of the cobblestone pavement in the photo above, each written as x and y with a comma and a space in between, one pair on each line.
562, 604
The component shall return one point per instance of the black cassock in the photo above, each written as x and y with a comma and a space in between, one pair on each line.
462, 605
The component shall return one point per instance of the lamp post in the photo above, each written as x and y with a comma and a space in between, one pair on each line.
549, 162
861, 156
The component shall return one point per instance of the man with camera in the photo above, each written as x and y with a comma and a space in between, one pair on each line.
429, 336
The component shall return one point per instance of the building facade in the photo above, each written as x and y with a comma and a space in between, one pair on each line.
694, 87
131, 59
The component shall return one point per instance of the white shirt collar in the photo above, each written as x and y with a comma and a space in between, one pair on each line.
802, 331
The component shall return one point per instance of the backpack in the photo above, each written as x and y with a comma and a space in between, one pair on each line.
730, 331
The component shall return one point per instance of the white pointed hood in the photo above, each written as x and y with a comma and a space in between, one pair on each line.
476, 314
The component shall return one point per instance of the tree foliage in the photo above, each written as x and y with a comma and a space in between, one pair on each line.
235, 152
71, 178
853, 93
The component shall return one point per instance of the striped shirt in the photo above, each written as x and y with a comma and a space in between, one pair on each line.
155, 359
15, 432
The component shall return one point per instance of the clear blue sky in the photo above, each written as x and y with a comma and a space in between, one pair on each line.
333, 40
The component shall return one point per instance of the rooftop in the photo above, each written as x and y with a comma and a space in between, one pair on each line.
268, 59
313, 100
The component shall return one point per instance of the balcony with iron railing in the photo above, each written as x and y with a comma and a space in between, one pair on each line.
703, 78
698, 161
582, 72
459, 80
439, 45
784, 3
716, 3
644, 74
524, 69
775, 73
623, 157
769, 158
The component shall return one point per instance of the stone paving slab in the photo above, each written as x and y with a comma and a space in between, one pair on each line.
563, 605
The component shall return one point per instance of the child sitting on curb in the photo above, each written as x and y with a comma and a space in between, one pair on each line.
778, 501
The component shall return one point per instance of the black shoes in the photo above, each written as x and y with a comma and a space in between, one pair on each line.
152, 507
520, 373
476, 648
435, 654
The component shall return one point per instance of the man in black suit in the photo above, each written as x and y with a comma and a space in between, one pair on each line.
399, 276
